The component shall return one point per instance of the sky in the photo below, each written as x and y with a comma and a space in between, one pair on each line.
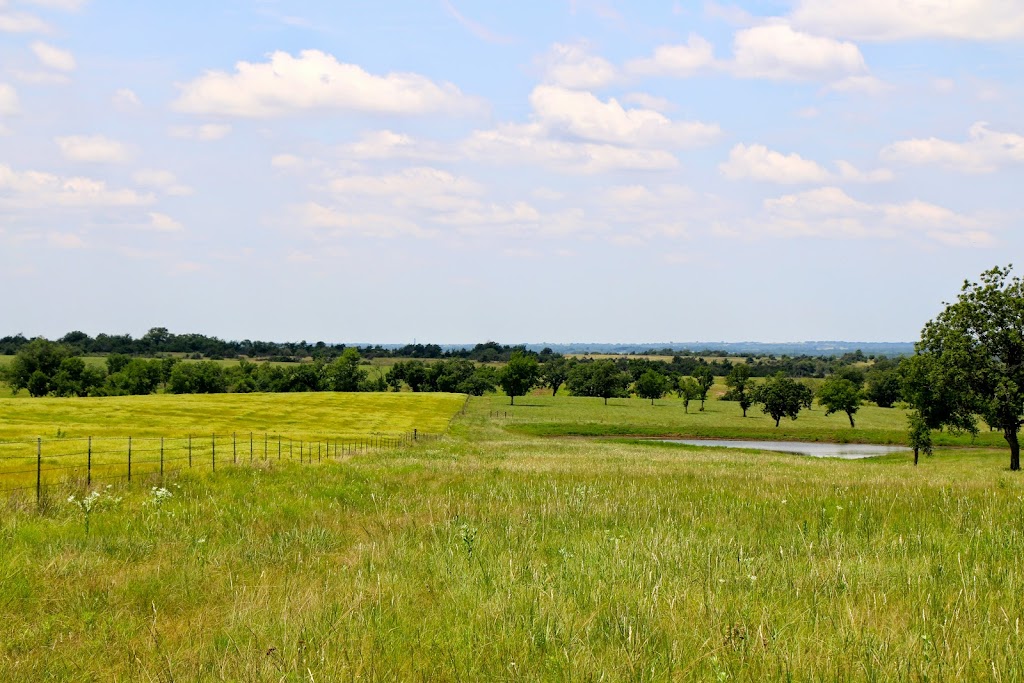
459, 171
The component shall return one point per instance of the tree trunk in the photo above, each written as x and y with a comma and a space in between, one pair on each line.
606, 400
702, 405
916, 449
744, 412
1011, 438
777, 421
652, 401
850, 415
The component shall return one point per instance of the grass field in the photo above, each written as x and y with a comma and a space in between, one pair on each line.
541, 415
499, 555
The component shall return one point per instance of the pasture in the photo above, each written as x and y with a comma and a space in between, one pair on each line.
495, 554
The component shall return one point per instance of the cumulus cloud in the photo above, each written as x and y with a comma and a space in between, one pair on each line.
35, 189
387, 144
582, 115
53, 57
93, 149
21, 22
207, 132
887, 20
679, 61
164, 181
757, 162
333, 222
286, 84
161, 222
866, 85
831, 213
125, 99
9, 104
984, 151
573, 66
777, 52
420, 186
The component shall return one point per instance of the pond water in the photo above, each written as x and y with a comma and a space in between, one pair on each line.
846, 451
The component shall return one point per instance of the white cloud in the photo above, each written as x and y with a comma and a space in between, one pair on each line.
35, 189
164, 181
679, 61
757, 162
207, 132
984, 151
884, 20
572, 66
659, 104
161, 222
64, 240
583, 115
829, 212
41, 77
286, 161
531, 144
420, 187
866, 85
53, 57
333, 222
386, 144
315, 80
777, 52
21, 22
93, 148
125, 99
9, 104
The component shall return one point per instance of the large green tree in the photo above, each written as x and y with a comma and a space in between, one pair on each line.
519, 375
974, 357
840, 395
688, 390
705, 379
34, 366
554, 372
600, 378
781, 397
738, 381
652, 385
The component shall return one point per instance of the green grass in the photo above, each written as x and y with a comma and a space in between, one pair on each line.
497, 555
542, 415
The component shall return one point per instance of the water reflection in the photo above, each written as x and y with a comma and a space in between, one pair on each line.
846, 451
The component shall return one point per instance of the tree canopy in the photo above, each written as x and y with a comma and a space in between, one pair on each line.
782, 397
840, 395
652, 385
971, 360
520, 374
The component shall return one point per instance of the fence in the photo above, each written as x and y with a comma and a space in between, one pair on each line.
39, 463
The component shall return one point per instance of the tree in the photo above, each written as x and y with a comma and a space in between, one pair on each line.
883, 387
519, 375
840, 395
343, 373
781, 397
688, 390
554, 372
601, 379
704, 379
738, 381
34, 365
975, 352
920, 434
652, 385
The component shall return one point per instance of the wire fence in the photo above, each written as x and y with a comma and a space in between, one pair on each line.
37, 464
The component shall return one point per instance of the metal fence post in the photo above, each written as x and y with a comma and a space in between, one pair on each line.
39, 470
213, 451
161, 457
129, 459
190, 450
88, 466
250, 446
234, 448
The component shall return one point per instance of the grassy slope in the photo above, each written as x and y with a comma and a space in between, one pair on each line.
498, 556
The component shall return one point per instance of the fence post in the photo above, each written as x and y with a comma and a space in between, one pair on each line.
278, 446
129, 459
213, 451
415, 435
161, 457
190, 450
250, 446
318, 452
39, 470
265, 441
234, 448
88, 466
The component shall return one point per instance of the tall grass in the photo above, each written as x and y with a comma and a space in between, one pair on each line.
501, 556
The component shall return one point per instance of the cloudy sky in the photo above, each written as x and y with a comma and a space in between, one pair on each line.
456, 171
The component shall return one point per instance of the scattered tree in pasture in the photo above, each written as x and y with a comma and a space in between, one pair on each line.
920, 435
554, 372
600, 378
519, 375
34, 365
738, 381
688, 390
705, 379
652, 385
883, 387
781, 396
838, 394
974, 351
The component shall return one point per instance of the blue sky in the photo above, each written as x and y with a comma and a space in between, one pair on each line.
458, 171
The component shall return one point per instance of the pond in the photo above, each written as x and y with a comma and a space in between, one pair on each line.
846, 451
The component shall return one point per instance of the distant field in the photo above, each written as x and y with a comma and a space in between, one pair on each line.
577, 416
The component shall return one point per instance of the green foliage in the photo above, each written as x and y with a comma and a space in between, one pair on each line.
883, 387
652, 385
839, 394
851, 373
920, 434
973, 354
704, 379
343, 373
738, 381
781, 396
688, 390
34, 365
599, 378
555, 371
519, 375
204, 377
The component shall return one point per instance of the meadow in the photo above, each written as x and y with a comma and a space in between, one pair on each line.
497, 554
